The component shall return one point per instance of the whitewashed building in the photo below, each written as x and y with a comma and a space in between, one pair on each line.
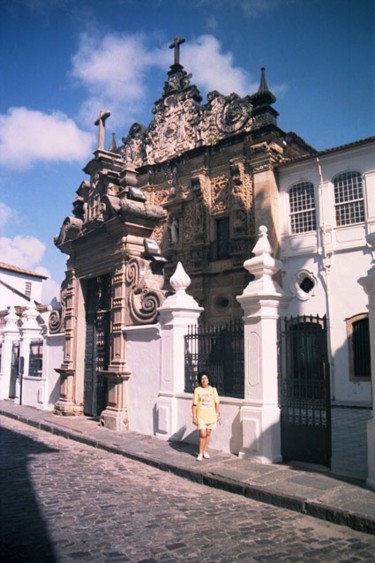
19, 286
327, 208
31, 342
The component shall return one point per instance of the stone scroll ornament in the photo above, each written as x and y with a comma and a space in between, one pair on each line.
143, 300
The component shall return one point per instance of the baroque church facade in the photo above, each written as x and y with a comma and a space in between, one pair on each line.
194, 186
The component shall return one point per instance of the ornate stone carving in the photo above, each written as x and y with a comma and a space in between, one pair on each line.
182, 123
221, 193
145, 295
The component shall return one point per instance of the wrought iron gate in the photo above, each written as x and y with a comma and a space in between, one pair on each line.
98, 310
304, 390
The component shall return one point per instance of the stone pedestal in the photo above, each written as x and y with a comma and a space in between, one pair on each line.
178, 312
10, 336
115, 415
368, 283
30, 332
263, 302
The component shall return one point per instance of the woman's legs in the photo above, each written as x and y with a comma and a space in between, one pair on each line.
204, 439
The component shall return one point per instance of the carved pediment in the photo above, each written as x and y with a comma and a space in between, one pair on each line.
182, 123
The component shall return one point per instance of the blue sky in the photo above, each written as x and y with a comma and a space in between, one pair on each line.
63, 60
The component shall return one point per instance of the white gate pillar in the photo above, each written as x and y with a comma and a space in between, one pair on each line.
30, 331
10, 336
368, 283
178, 312
263, 302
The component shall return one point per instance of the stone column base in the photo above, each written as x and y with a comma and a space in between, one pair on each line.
115, 415
67, 408
114, 419
261, 438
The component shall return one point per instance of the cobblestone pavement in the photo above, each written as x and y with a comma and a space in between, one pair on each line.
63, 501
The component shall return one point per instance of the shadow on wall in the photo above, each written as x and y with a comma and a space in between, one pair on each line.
24, 534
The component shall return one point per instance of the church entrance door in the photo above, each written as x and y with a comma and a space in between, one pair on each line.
97, 352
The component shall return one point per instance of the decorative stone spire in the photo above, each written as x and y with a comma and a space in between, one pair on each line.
263, 113
113, 145
179, 282
263, 266
11, 319
264, 96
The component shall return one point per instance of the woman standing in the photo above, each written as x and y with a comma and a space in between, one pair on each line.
206, 412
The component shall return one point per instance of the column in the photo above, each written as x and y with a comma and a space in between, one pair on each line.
263, 301
178, 312
115, 415
10, 335
70, 402
368, 283
30, 331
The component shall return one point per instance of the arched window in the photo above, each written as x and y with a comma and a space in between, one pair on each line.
302, 208
349, 202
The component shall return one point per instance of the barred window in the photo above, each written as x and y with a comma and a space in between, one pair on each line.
349, 202
359, 347
36, 358
302, 208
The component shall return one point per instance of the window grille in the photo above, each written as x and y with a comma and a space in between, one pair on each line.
359, 347
349, 202
302, 208
36, 358
219, 349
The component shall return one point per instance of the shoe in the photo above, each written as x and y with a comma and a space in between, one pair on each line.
200, 457
206, 455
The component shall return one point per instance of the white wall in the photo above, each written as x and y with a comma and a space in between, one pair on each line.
144, 361
335, 256
18, 282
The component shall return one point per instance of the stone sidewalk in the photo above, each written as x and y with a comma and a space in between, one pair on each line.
320, 494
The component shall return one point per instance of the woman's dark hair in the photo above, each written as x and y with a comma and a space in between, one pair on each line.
201, 374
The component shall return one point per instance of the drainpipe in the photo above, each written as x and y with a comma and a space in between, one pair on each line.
326, 263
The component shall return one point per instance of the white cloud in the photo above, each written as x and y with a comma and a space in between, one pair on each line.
115, 70
27, 136
6, 214
23, 251
50, 288
214, 70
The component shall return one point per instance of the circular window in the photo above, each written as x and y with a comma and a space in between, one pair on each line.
307, 284
303, 285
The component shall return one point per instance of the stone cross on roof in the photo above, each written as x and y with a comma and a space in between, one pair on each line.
176, 46
103, 115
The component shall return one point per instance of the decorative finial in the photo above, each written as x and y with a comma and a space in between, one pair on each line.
264, 96
113, 145
177, 41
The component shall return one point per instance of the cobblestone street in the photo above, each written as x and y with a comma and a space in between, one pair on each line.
63, 501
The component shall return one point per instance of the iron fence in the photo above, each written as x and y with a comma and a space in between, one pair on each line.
219, 350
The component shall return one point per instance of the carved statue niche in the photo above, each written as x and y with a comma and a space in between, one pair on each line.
173, 230
235, 173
